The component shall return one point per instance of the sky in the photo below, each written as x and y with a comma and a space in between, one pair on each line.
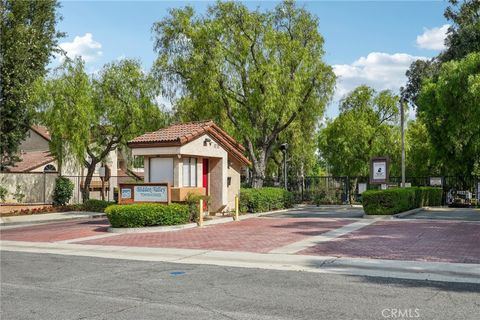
366, 42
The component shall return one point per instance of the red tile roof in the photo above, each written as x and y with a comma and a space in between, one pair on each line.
182, 133
31, 160
42, 131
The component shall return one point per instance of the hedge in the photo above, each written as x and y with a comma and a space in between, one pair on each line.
392, 201
96, 205
147, 214
63, 191
265, 199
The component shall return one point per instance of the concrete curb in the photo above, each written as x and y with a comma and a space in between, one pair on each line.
408, 213
48, 217
415, 270
152, 229
190, 225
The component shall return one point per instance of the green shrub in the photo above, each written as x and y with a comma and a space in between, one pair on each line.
192, 203
18, 194
96, 205
392, 201
147, 214
428, 196
323, 197
3, 193
63, 191
265, 199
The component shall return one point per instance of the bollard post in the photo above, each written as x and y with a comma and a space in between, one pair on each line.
236, 208
200, 213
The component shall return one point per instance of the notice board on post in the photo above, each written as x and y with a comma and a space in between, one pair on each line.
379, 170
144, 193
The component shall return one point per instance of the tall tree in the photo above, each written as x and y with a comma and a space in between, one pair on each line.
420, 153
254, 72
463, 37
90, 117
367, 126
28, 38
418, 71
448, 105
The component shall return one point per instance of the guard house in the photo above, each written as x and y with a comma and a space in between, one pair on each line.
196, 157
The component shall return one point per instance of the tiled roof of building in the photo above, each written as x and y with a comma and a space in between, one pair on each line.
182, 133
42, 131
31, 160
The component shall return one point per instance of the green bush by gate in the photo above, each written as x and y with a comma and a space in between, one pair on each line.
265, 199
392, 201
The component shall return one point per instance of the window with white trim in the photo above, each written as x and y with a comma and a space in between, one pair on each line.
189, 172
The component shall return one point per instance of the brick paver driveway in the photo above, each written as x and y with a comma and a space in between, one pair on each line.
60, 231
419, 240
252, 235
408, 240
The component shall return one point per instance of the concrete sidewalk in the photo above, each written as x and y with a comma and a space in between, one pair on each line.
47, 217
415, 270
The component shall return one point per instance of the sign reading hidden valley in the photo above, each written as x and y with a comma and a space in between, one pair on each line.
145, 192
150, 193
379, 170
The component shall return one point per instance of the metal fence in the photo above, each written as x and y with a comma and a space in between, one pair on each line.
37, 187
344, 190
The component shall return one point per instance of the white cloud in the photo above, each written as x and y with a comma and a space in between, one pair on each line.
433, 39
378, 70
83, 46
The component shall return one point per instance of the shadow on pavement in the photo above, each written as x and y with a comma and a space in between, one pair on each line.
459, 214
320, 212
407, 283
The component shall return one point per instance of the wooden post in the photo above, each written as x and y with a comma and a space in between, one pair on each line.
236, 208
200, 213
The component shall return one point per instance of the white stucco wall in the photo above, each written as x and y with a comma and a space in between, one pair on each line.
223, 197
234, 187
34, 142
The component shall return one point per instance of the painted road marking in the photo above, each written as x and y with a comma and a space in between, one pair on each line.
328, 236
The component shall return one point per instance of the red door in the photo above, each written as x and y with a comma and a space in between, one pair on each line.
205, 181
205, 174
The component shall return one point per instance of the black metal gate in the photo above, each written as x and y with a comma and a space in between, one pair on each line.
346, 190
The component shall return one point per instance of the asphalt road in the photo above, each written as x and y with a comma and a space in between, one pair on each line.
44, 286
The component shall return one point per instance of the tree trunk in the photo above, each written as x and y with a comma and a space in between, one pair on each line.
88, 180
259, 167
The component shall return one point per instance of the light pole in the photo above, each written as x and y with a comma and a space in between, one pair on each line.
402, 126
284, 149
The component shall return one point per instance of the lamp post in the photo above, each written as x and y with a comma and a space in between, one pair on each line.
284, 149
402, 126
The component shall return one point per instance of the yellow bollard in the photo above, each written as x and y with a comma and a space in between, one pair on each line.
236, 208
200, 213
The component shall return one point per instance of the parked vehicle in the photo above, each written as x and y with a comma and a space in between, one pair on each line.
459, 198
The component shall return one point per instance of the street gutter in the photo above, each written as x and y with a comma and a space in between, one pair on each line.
414, 270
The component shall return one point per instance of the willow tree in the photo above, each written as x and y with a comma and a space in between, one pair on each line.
88, 117
366, 127
28, 40
254, 72
449, 106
